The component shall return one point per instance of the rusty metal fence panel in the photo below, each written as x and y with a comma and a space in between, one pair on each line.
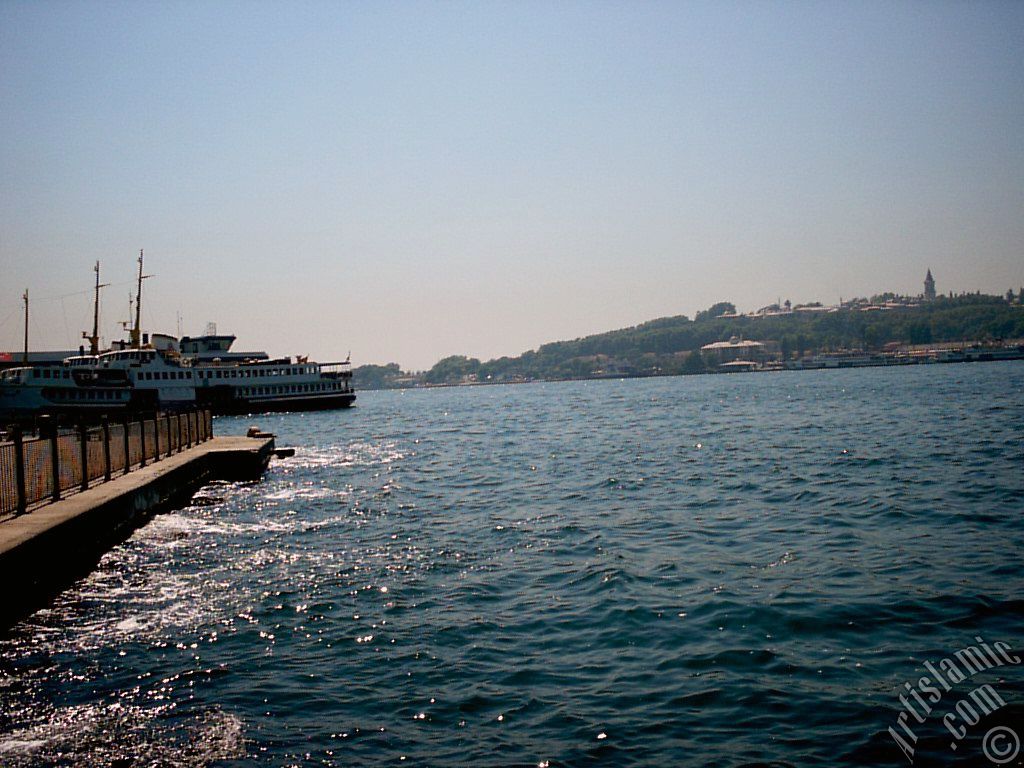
8, 479
165, 436
38, 471
70, 460
134, 444
117, 456
95, 455
149, 427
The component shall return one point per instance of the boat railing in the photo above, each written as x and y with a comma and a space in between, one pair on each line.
38, 470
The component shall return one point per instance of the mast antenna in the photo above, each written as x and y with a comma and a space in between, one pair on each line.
137, 330
94, 340
25, 298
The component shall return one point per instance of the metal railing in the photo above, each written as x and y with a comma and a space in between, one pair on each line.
57, 462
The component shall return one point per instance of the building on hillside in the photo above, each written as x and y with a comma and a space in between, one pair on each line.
929, 287
733, 350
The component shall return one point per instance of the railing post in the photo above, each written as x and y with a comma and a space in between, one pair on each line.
142, 440
170, 441
83, 452
19, 469
48, 430
188, 429
156, 436
126, 422
106, 448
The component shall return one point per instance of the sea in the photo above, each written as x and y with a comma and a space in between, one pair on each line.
738, 570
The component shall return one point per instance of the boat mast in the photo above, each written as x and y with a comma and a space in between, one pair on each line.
94, 340
25, 357
136, 338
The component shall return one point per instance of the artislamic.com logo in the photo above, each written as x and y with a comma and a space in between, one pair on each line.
920, 700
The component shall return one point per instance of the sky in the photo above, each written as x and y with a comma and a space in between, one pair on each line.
404, 181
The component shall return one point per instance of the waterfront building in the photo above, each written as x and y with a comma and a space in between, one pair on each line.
733, 350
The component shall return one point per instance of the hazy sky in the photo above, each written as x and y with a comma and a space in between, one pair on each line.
413, 180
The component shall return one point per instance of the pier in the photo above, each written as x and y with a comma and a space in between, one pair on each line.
52, 543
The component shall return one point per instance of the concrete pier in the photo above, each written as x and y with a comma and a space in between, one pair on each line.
45, 550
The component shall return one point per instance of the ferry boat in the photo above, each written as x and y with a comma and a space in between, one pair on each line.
235, 383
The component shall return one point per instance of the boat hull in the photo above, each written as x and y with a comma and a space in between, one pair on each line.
224, 404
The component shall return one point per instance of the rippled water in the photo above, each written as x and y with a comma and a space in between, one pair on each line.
719, 570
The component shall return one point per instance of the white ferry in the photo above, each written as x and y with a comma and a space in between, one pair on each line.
231, 382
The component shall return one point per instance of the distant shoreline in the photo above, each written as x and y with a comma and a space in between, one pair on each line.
1015, 353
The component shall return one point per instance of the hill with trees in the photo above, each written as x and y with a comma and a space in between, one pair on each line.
671, 345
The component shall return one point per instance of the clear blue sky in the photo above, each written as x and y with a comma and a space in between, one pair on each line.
412, 180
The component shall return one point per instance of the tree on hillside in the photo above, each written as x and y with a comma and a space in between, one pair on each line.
452, 370
716, 310
375, 376
694, 363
